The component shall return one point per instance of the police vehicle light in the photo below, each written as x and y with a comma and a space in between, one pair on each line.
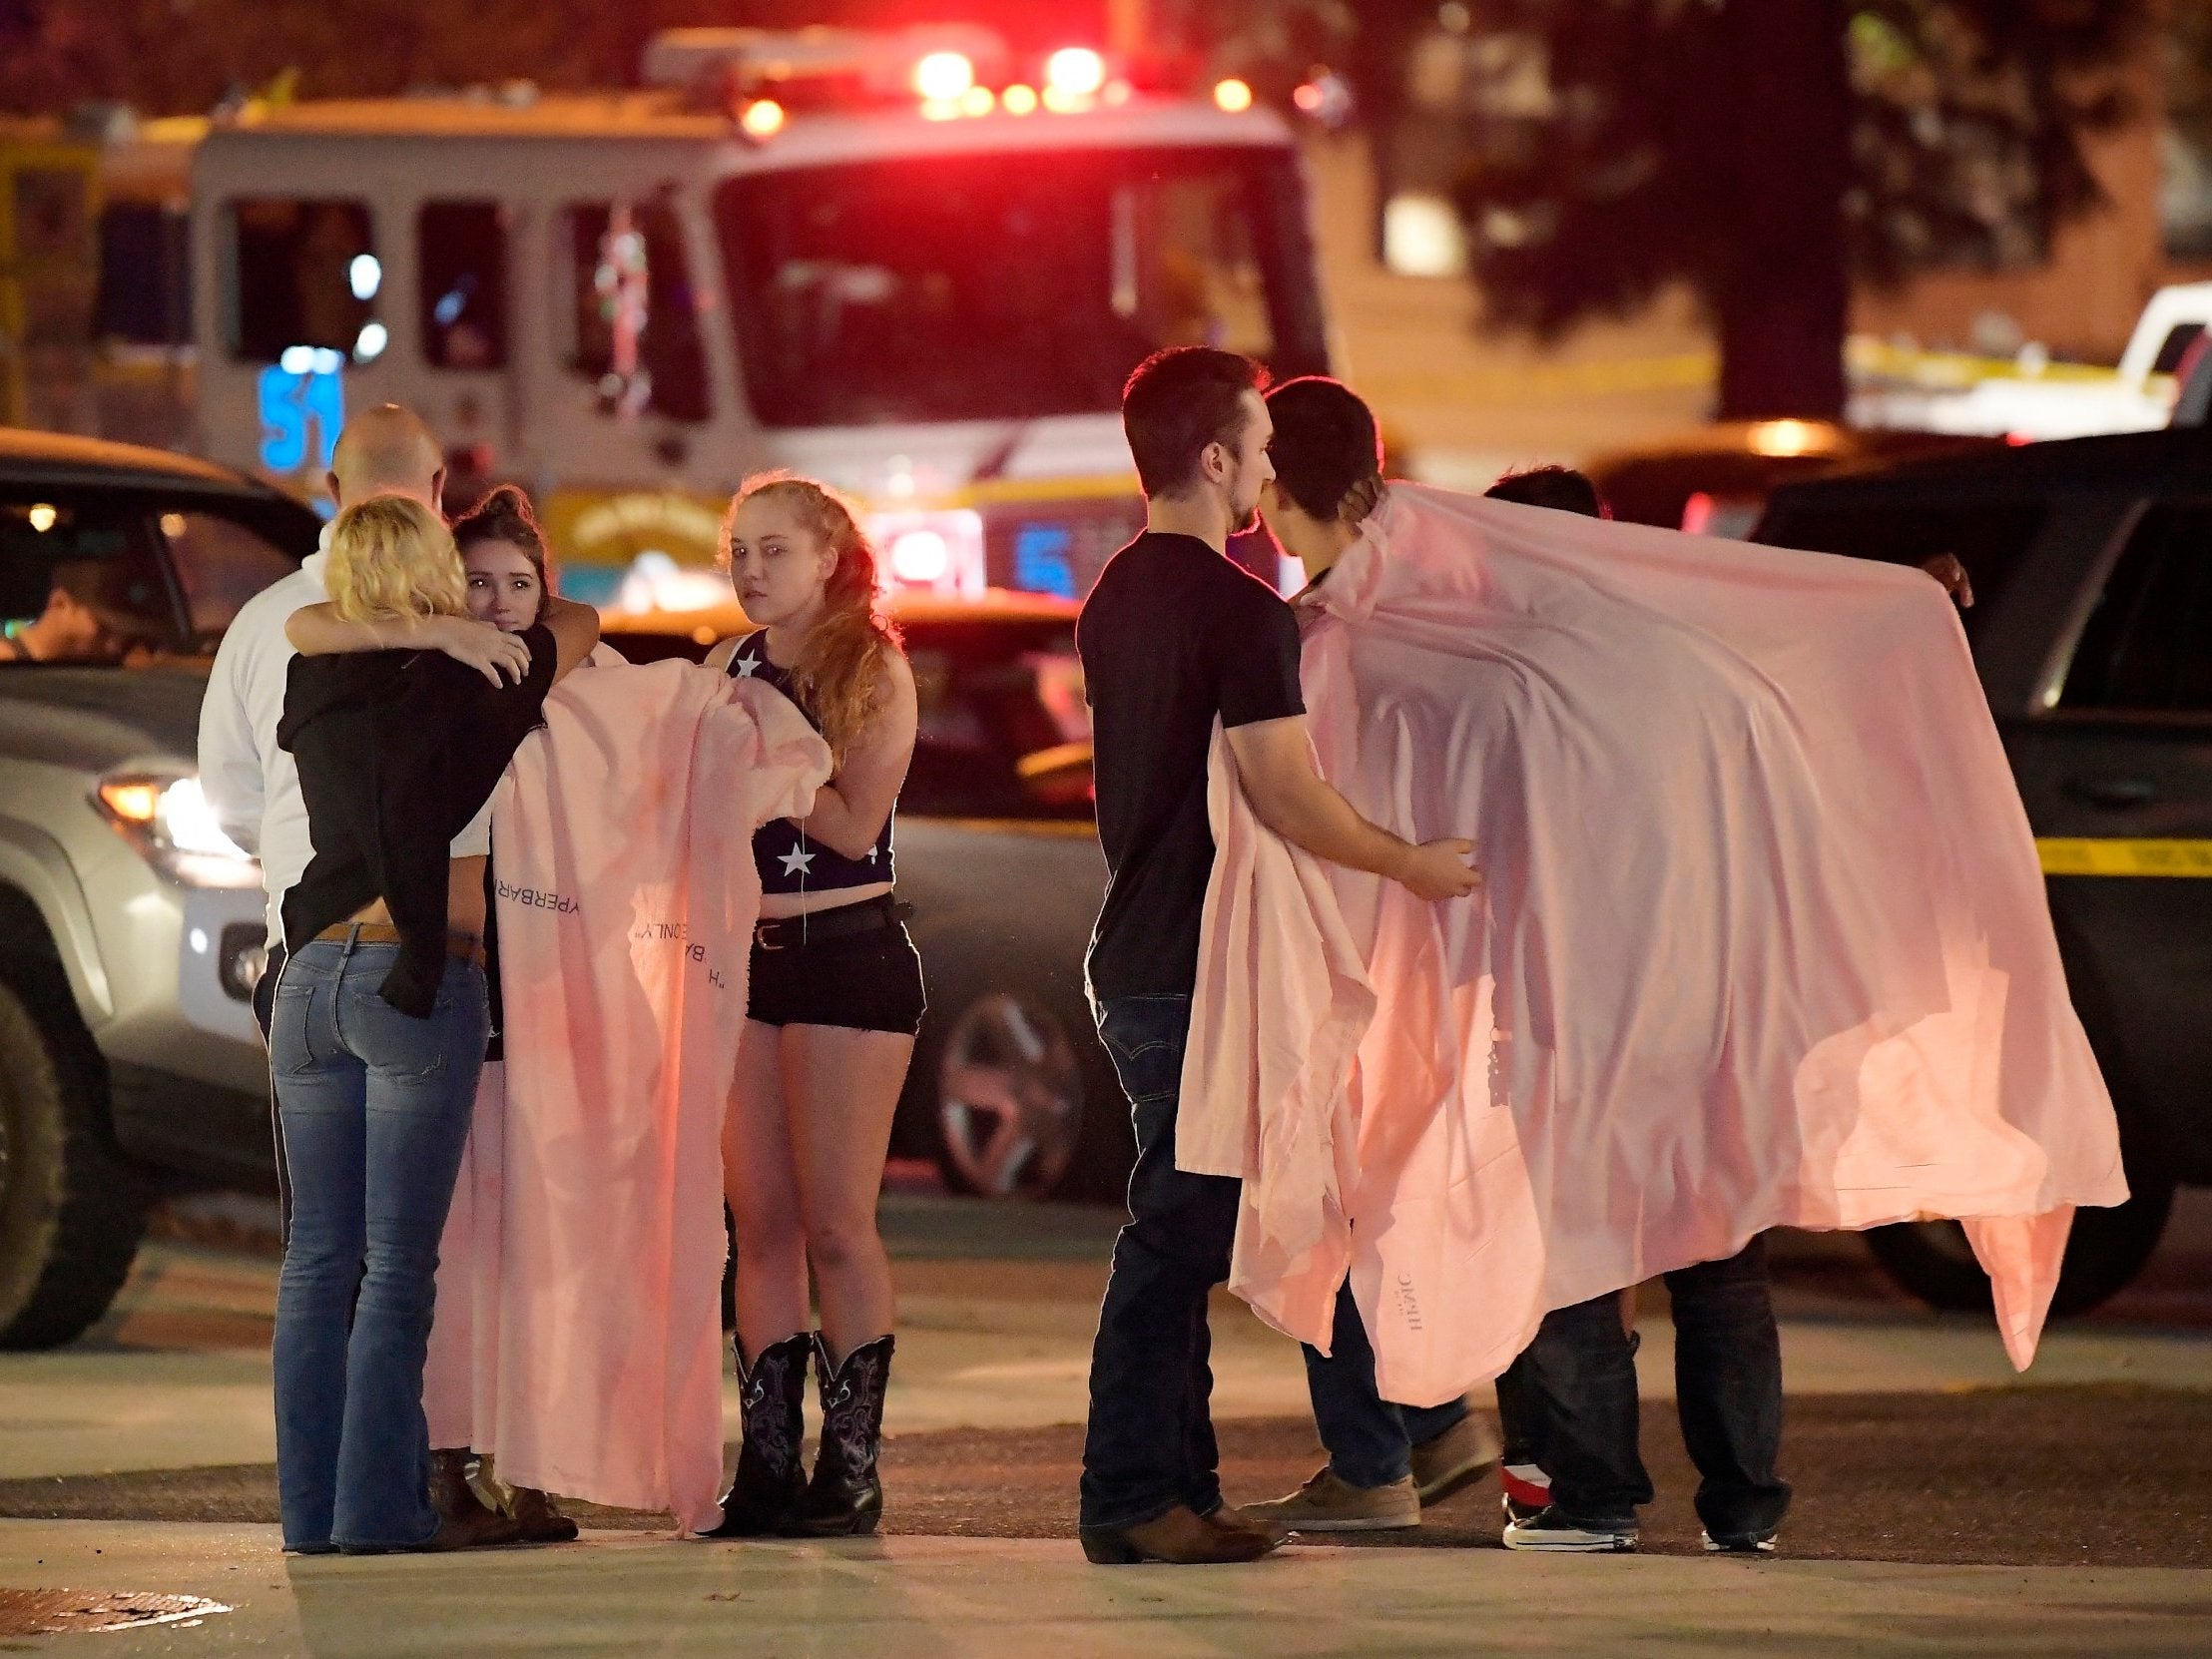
1233, 95
1790, 437
922, 556
1019, 99
364, 275
762, 118
944, 77
939, 549
1075, 72
371, 342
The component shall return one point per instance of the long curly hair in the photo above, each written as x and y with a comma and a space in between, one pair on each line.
840, 673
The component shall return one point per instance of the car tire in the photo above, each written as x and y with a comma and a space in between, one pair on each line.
1016, 1105
72, 1210
2106, 1251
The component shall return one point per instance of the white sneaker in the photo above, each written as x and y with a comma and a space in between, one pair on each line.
1739, 1543
1551, 1531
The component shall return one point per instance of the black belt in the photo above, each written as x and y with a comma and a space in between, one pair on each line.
870, 916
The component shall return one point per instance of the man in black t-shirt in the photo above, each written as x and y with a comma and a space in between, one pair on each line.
1173, 638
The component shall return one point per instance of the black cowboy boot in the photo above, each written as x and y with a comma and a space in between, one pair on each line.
845, 1498
771, 1477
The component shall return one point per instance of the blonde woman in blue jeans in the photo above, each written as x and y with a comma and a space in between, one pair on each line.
380, 1017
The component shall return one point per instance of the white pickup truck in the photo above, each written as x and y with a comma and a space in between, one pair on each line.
2040, 400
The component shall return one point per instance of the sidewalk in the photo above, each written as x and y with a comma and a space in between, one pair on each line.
982, 1599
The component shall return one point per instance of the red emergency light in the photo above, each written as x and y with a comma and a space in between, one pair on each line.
944, 77
949, 72
1075, 72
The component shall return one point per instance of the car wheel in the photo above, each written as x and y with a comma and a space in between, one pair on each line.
1009, 1099
70, 1211
2106, 1251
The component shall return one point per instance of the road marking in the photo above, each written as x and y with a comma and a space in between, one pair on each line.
2097, 856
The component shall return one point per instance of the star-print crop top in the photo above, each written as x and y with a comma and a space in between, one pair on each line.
786, 861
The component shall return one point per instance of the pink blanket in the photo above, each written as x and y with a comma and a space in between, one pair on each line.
1764, 942
578, 1336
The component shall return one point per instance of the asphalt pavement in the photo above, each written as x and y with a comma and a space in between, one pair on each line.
997, 1309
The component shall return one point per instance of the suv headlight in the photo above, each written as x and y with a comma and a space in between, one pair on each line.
174, 828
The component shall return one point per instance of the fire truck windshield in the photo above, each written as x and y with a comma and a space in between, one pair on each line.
1009, 285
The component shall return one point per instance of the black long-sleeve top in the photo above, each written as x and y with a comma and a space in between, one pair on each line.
397, 751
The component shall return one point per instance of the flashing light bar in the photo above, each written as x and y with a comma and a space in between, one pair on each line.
881, 63
762, 77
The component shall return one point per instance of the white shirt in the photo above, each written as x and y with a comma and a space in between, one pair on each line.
252, 784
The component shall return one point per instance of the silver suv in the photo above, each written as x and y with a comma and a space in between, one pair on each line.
131, 928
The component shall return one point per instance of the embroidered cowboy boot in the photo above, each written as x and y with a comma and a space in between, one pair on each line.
771, 1477
845, 1498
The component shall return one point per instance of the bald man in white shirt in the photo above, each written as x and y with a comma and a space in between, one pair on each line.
249, 782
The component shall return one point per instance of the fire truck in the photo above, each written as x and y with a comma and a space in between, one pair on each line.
93, 312
915, 264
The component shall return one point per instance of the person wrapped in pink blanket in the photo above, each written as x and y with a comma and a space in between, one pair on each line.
577, 1343
575, 1346
1764, 944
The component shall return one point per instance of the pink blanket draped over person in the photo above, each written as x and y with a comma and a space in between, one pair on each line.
578, 1336
1765, 942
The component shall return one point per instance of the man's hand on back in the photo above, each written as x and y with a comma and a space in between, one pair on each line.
1439, 869
1274, 765
1947, 569
1360, 500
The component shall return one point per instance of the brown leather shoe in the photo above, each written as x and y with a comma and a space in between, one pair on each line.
1454, 1460
463, 1522
1234, 1519
1331, 1503
1179, 1537
540, 1517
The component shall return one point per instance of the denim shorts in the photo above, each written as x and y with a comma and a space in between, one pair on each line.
861, 981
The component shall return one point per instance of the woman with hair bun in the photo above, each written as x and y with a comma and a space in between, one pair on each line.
835, 1001
503, 552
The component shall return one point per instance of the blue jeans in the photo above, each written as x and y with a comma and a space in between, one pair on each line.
1581, 1373
375, 1107
1150, 1445
1371, 1441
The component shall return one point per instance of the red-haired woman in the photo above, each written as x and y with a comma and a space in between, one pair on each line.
835, 1001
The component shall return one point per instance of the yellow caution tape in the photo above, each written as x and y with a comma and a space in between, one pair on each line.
1873, 359
2080, 857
